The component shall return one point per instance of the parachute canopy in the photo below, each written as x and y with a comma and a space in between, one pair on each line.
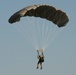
48, 12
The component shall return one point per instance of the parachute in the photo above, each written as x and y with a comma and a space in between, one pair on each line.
57, 16
42, 24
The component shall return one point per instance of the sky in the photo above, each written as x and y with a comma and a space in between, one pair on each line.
19, 57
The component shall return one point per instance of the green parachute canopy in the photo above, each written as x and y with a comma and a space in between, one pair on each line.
48, 12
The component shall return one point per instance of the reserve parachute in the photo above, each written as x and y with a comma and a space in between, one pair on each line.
42, 23
48, 12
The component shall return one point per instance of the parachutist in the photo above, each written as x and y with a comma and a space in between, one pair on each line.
41, 59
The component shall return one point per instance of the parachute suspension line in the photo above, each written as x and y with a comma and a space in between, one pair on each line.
50, 35
34, 32
45, 32
26, 30
56, 32
20, 29
46, 29
38, 28
38, 32
41, 32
